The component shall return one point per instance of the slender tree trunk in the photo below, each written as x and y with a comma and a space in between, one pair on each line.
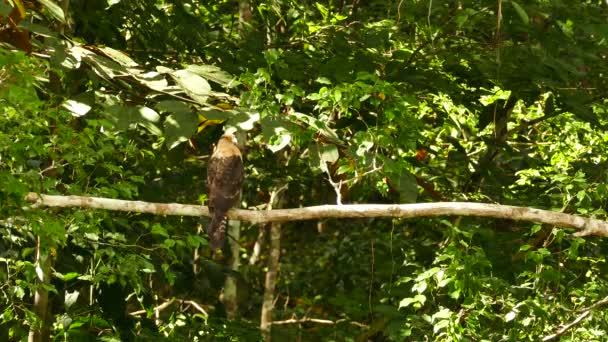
271, 278
273, 270
40, 333
230, 284
257, 247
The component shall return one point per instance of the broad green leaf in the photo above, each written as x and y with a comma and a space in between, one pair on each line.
213, 73
179, 127
69, 276
154, 81
245, 120
148, 114
129, 117
405, 302
521, 12
323, 80
118, 56
91, 236
196, 241
54, 10
317, 125
280, 140
407, 187
103, 66
158, 229
329, 153
195, 86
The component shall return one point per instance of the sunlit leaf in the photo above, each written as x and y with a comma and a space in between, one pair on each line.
118, 56
70, 298
329, 153
213, 73
195, 86
76, 108
179, 127
54, 10
281, 139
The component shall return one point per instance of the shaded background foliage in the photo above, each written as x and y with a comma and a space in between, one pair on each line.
391, 102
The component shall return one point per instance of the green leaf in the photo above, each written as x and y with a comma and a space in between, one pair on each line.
329, 153
158, 229
155, 81
102, 66
245, 120
179, 127
91, 236
337, 95
405, 302
54, 10
195, 241
195, 86
407, 187
118, 56
173, 106
323, 80
71, 275
521, 12
280, 140
344, 169
125, 118
76, 108
213, 73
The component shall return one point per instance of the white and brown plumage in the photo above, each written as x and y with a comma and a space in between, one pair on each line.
224, 181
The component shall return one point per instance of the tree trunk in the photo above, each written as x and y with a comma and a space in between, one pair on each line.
40, 332
230, 298
273, 270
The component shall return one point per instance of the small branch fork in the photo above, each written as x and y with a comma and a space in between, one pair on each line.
586, 226
168, 303
565, 327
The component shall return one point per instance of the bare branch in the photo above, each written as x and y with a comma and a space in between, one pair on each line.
595, 305
168, 303
585, 312
316, 320
586, 226
567, 327
303, 320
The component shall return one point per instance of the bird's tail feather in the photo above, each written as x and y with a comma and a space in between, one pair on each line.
217, 230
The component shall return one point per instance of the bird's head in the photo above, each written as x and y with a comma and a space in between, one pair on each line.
229, 137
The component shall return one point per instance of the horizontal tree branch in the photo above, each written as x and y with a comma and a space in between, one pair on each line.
315, 320
586, 226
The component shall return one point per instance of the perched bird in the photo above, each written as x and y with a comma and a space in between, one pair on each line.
224, 181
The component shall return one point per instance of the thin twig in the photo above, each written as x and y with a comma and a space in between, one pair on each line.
567, 327
585, 313
595, 305
168, 303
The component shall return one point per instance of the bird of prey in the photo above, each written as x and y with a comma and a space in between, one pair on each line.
224, 182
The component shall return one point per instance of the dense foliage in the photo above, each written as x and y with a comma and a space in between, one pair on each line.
350, 101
